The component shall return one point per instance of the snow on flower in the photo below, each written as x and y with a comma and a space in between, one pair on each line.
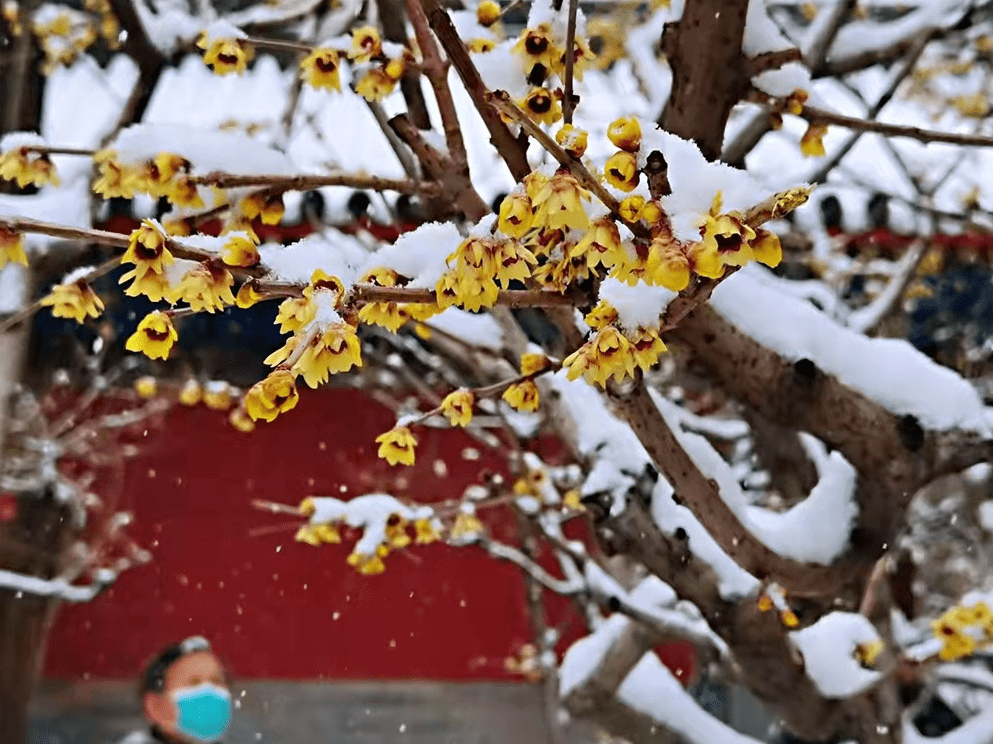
829, 650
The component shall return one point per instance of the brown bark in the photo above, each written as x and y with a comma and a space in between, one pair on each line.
30, 545
709, 72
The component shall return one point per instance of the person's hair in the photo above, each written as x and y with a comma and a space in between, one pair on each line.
153, 678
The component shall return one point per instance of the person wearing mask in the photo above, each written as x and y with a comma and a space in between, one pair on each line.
184, 696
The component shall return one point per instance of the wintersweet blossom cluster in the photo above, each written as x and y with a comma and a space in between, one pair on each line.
964, 630
28, 167
384, 525
376, 66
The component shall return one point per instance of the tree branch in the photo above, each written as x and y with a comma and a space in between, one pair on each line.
512, 152
306, 183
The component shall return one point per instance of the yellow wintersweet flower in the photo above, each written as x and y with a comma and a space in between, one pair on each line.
625, 133
728, 235
147, 387
608, 354
534, 182
542, 105
369, 565
217, 396
559, 203
388, 315
375, 85
321, 281
632, 207
156, 176
191, 393
465, 525
247, 296
396, 532
667, 265
155, 336
425, 532
184, 193
537, 48
812, 142
320, 69
652, 213
522, 396
397, 446
488, 12
335, 350
601, 244
272, 396
516, 215
601, 316
512, 262
307, 534
148, 252
76, 300
867, 653
28, 168
646, 348
327, 533
381, 276
766, 247
573, 140
795, 101
532, 363
268, 207
621, 171
789, 618
147, 249
113, 178
480, 46
294, 313
705, 260
225, 56
206, 288
582, 58
631, 265
241, 251
240, 420
394, 69
572, 499
11, 247
366, 44
457, 407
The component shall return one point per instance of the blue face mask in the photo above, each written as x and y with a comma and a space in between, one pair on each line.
204, 711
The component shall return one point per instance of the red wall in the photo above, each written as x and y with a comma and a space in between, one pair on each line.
277, 608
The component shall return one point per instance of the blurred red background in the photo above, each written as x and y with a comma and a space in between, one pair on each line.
276, 608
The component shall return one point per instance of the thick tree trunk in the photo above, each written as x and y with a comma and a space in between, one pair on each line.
31, 545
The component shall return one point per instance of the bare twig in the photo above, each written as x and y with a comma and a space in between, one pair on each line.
866, 319
513, 153
568, 104
436, 71
407, 161
305, 183
282, 45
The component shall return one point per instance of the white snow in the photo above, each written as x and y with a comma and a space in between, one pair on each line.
986, 515
334, 253
828, 648
650, 688
889, 371
13, 287
477, 329
637, 306
420, 255
206, 149
59, 588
